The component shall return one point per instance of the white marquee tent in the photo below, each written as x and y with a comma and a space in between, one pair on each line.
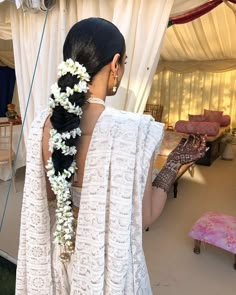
197, 68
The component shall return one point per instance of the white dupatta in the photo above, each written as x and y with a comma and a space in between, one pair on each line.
108, 257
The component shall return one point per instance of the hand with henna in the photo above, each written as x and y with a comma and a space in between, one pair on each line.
187, 151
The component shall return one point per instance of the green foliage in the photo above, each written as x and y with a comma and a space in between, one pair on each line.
7, 277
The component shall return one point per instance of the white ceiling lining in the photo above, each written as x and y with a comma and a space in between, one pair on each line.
210, 37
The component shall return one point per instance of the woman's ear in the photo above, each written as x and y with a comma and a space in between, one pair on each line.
115, 63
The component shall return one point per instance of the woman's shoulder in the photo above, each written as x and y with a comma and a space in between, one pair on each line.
122, 115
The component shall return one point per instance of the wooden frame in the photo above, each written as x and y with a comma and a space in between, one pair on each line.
154, 110
6, 152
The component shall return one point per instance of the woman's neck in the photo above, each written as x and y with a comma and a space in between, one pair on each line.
96, 100
98, 87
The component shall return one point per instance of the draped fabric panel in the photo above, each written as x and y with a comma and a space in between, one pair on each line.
5, 26
199, 11
152, 19
210, 37
143, 25
183, 6
7, 59
25, 28
190, 93
195, 13
5, 31
216, 66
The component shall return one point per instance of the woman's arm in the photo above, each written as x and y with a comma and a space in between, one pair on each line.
155, 194
46, 156
154, 200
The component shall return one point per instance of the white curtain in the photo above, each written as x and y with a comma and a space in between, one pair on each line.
5, 26
190, 93
149, 26
142, 23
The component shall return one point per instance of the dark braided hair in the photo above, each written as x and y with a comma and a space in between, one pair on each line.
92, 42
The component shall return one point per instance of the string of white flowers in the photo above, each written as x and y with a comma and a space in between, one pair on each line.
62, 98
61, 188
60, 184
66, 135
74, 68
57, 141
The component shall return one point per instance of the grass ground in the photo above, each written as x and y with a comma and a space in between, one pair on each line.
7, 277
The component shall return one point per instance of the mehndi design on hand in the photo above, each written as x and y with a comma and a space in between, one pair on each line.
187, 151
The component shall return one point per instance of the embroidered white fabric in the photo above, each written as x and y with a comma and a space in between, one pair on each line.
108, 256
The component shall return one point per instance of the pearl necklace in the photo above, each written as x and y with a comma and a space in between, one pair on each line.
96, 100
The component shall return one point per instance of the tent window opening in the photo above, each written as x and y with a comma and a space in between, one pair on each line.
7, 84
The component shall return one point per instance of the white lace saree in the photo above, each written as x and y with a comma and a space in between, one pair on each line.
108, 256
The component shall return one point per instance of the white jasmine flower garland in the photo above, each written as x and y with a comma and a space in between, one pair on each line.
74, 68
65, 232
61, 188
57, 142
61, 98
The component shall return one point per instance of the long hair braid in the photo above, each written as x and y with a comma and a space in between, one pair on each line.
90, 45
63, 121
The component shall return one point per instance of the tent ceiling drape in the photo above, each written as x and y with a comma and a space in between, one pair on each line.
197, 12
210, 37
5, 26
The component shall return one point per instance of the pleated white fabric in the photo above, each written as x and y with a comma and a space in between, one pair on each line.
108, 258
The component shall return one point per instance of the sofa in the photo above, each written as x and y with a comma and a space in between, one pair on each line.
212, 123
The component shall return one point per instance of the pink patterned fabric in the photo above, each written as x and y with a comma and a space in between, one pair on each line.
217, 229
213, 116
169, 142
208, 128
225, 120
197, 118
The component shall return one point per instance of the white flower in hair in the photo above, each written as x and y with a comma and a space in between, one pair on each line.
74, 68
60, 184
61, 98
57, 141
81, 87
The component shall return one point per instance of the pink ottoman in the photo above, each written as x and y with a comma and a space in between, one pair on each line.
216, 229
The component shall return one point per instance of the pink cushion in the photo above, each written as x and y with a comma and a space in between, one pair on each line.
225, 120
216, 229
213, 116
208, 128
196, 118
169, 142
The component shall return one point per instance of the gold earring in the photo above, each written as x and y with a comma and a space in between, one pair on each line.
115, 83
